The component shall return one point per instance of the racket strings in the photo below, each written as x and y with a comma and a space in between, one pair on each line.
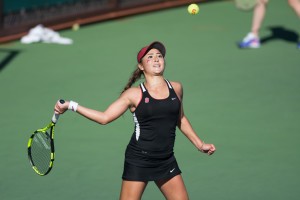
41, 151
245, 4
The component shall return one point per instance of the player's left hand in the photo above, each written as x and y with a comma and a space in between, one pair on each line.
208, 149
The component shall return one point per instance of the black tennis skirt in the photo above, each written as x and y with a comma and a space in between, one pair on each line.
163, 171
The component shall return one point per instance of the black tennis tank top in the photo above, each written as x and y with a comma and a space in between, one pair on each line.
155, 125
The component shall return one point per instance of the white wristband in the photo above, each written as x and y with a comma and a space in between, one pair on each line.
73, 106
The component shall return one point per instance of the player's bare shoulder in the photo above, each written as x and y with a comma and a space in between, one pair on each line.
133, 94
177, 87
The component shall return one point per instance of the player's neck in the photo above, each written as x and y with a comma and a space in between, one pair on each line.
154, 82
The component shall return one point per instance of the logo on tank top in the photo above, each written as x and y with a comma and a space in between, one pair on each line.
146, 100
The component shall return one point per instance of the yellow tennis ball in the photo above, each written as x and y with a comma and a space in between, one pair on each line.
75, 27
193, 9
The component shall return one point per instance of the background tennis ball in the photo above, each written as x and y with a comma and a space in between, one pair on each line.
75, 27
193, 9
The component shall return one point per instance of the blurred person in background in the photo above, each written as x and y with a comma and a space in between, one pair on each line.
252, 39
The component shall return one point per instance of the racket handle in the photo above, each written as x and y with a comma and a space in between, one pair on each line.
56, 116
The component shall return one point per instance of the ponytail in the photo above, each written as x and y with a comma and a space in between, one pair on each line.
136, 74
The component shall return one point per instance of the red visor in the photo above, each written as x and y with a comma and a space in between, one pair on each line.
153, 45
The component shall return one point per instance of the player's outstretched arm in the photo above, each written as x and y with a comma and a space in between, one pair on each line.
115, 110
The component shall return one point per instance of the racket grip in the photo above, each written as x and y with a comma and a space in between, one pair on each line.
56, 116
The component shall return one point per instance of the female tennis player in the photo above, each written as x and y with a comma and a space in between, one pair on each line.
157, 109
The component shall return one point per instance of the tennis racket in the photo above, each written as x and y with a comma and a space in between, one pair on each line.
245, 5
41, 147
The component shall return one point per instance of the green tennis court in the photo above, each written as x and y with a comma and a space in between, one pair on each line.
246, 102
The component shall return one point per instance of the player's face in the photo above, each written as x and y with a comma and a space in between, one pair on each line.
153, 63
